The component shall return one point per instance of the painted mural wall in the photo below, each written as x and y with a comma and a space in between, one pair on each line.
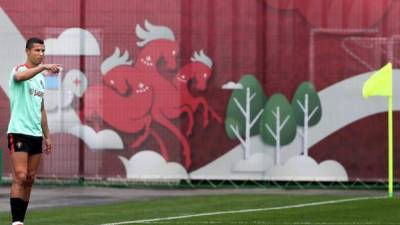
263, 89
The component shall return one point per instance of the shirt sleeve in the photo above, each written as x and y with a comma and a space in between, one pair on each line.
16, 69
13, 72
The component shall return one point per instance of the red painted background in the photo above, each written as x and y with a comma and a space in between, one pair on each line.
267, 38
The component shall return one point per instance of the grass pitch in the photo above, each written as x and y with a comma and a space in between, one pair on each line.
228, 210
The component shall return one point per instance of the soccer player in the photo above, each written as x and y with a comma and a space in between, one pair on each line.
28, 127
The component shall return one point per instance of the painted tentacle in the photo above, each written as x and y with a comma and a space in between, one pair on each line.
157, 116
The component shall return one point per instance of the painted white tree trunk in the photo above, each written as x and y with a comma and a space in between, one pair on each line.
305, 133
277, 133
246, 112
278, 137
307, 117
248, 126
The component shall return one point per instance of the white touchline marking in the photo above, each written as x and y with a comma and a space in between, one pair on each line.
246, 210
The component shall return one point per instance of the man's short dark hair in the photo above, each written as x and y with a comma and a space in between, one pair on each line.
34, 40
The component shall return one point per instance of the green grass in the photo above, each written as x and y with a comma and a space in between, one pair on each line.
363, 212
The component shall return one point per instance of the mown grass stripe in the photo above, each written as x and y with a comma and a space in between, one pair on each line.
246, 210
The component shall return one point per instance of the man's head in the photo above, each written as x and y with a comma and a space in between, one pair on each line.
35, 50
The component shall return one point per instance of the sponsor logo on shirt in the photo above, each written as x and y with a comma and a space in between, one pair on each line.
35, 92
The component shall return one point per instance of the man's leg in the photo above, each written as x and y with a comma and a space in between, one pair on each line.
33, 165
19, 161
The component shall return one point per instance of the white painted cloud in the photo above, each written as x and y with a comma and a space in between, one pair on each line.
104, 139
148, 165
333, 169
73, 41
61, 94
258, 162
62, 121
76, 82
54, 99
232, 85
304, 168
228, 166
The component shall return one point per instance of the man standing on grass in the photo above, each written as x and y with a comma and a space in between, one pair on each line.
28, 125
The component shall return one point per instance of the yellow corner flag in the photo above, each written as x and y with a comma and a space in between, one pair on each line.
380, 83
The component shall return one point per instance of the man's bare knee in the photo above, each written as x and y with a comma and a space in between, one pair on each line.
20, 177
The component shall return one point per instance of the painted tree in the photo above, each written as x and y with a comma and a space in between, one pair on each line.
306, 105
245, 107
278, 124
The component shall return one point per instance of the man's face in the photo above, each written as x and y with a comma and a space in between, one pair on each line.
36, 53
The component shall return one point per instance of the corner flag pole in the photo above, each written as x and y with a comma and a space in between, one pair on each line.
381, 84
390, 147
